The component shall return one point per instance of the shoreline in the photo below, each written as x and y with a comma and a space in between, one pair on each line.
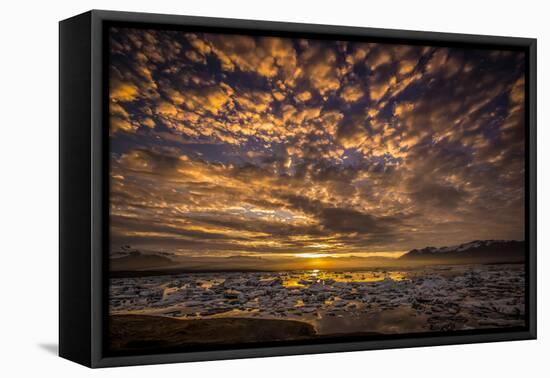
145, 333
177, 271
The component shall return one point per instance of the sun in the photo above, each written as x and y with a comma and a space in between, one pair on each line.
311, 255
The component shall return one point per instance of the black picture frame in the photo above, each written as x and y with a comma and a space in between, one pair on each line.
84, 190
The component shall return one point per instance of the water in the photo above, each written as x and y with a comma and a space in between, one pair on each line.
428, 299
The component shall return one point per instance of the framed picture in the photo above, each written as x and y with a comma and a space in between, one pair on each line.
234, 188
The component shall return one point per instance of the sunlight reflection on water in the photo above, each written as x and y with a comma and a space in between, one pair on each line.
307, 278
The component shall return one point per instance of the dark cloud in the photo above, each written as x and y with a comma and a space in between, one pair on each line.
341, 219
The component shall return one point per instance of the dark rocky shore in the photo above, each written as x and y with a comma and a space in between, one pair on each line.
153, 334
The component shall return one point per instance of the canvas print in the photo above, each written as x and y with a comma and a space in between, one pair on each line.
275, 190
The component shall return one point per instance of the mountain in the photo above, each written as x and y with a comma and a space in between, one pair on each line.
474, 252
136, 260
243, 258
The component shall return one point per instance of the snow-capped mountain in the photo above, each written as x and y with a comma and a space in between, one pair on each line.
477, 251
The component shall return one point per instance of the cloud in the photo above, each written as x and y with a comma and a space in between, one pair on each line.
320, 68
378, 56
120, 118
352, 93
267, 57
270, 145
123, 92
166, 108
257, 101
304, 96
353, 131
380, 82
342, 220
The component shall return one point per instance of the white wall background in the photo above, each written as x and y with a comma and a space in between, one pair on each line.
29, 186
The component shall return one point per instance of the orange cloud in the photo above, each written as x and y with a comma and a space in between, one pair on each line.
304, 96
124, 92
351, 93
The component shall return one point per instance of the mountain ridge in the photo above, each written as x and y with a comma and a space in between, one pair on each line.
476, 251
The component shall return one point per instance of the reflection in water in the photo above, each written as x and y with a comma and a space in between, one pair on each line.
427, 299
309, 277
388, 321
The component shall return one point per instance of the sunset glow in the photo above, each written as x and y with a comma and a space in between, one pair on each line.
234, 145
267, 190
311, 255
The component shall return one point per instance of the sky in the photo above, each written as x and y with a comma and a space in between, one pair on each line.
225, 144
